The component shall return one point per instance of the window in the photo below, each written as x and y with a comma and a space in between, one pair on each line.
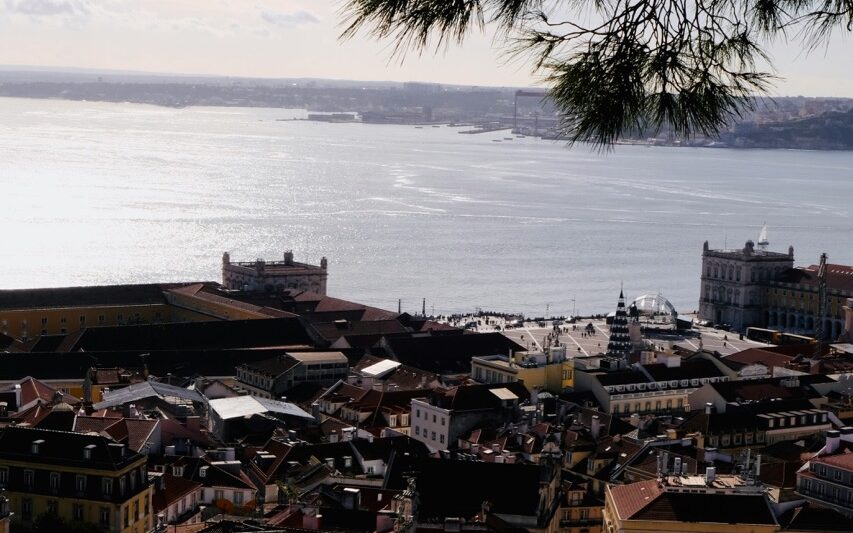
441, 438
82, 319
433, 436
238, 497
442, 421
107, 486
28, 478
4, 475
417, 430
104, 516
77, 511
80, 483
136, 510
52, 507
54, 481
433, 418
126, 516
218, 495
122, 485
133, 480
27, 508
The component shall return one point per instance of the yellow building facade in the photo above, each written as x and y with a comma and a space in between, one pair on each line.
551, 376
77, 477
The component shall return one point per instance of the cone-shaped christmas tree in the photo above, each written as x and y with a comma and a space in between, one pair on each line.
620, 340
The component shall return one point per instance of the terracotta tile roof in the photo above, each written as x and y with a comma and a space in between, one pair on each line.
838, 277
707, 508
175, 488
629, 499
812, 518
33, 389
96, 424
447, 353
134, 432
84, 296
753, 356
332, 331
841, 460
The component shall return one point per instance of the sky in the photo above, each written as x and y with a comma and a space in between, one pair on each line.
294, 39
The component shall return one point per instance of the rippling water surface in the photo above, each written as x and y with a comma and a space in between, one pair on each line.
118, 193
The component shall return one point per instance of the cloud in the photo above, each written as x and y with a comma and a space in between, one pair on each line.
47, 8
288, 20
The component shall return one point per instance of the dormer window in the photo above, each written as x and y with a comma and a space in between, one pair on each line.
87, 452
34, 447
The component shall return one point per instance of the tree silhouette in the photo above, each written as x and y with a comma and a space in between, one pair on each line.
617, 66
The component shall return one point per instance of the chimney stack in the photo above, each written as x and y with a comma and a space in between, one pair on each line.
595, 427
710, 474
833, 437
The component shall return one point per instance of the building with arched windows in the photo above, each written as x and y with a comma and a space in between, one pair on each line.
734, 284
756, 287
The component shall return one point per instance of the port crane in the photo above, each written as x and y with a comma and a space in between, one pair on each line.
819, 333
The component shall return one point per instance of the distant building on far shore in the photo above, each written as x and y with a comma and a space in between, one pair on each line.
274, 276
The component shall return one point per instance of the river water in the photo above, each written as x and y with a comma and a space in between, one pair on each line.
96, 193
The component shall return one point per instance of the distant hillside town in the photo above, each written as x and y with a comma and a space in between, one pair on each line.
262, 404
783, 122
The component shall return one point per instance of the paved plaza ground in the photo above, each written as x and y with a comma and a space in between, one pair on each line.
535, 337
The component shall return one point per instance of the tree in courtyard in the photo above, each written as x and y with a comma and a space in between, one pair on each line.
617, 66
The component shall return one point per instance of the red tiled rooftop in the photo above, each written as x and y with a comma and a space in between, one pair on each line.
842, 460
629, 499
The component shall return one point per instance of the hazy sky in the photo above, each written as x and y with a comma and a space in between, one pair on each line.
292, 38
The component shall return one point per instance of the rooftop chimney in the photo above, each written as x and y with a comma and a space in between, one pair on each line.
34, 448
710, 474
709, 408
595, 427
833, 436
846, 434
351, 499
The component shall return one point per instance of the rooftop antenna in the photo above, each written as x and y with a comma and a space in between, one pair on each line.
762, 238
